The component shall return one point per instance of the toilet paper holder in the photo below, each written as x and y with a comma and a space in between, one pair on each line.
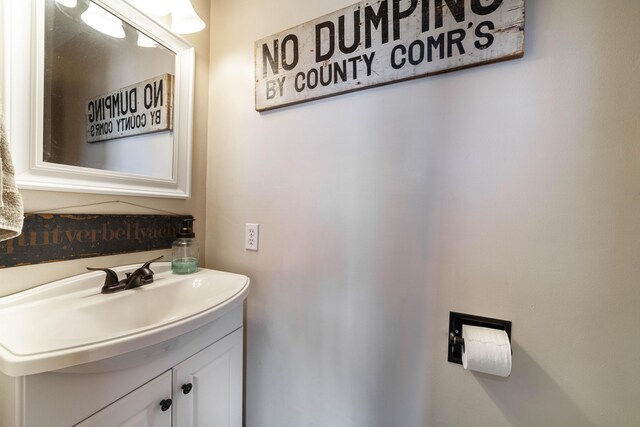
456, 342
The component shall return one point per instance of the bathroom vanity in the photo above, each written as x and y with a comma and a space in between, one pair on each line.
169, 353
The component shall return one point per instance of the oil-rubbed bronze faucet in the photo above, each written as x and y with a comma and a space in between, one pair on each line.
141, 276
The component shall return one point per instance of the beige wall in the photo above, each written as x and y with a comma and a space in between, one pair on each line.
510, 190
17, 278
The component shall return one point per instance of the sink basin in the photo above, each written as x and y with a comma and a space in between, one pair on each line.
69, 322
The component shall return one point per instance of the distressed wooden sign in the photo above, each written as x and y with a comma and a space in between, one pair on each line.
54, 237
372, 43
141, 108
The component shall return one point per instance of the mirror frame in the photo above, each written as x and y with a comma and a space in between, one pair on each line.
23, 108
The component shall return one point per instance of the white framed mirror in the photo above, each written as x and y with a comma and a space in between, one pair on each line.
94, 110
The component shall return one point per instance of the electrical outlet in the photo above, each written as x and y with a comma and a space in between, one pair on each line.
251, 236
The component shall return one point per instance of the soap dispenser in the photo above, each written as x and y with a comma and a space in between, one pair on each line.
184, 250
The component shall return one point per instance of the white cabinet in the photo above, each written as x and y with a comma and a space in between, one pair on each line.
127, 390
140, 408
207, 391
208, 386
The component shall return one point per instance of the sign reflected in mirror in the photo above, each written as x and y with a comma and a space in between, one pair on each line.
110, 101
134, 110
87, 40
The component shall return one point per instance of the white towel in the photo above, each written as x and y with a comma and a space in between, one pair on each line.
11, 208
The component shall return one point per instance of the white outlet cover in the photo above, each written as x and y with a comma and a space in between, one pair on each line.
251, 235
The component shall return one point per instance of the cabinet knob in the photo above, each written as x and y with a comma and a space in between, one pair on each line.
186, 388
165, 404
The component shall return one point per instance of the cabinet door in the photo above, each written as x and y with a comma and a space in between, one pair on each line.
214, 397
140, 408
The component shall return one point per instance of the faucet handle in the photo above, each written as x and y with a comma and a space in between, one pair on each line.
110, 280
148, 263
144, 275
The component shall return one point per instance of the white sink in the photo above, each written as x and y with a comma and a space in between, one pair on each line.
70, 322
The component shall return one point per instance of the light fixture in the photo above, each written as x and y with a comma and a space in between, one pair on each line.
153, 7
145, 41
68, 3
184, 19
101, 20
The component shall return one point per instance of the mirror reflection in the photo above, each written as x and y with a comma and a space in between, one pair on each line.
108, 93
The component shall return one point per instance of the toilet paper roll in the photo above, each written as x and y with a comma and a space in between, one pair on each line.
486, 350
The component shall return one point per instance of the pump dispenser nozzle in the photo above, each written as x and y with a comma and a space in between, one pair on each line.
187, 228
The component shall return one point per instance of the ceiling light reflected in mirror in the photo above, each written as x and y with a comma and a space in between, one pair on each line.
101, 20
145, 41
184, 19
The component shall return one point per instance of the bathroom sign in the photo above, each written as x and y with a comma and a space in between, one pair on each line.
377, 42
141, 108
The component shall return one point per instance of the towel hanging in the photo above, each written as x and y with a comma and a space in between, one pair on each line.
11, 207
